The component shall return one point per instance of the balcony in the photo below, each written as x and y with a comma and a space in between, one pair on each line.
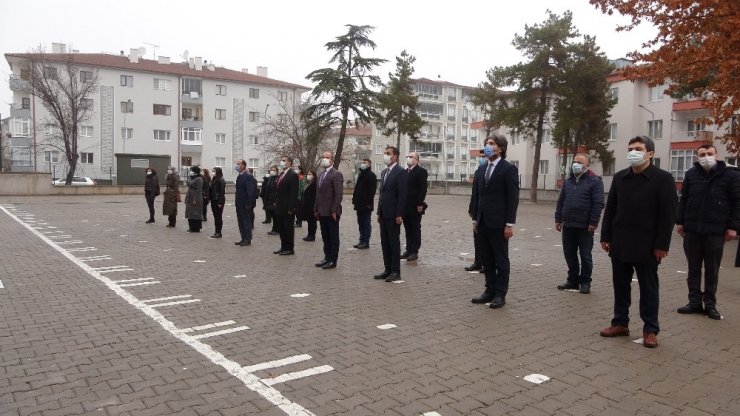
191, 140
450, 155
18, 111
692, 136
451, 137
18, 84
689, 105
429, 156
191, 97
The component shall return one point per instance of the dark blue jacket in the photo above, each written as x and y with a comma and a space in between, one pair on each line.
246, 190
581, 201
710, 201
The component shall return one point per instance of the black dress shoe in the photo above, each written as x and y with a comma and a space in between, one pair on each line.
568, 286
238, 242
245, 243
405, 255
322, 263
393, 277
309, 238
266, 222
473, 267
272, 233
691, 308
363, 246
712, 313
412, 257
287, 253
149, 222
483, 298
585, 288
497, 302
277, 251
383, 275
356, 245
217, 235
329, 265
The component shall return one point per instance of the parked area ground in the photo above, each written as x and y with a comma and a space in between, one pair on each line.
102, 314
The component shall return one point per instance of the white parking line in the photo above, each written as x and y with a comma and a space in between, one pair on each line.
297, 374
178, 302
221, 332
95, 258
78, 248
277, 363
1, 285
161, 299
151, 282
209, 326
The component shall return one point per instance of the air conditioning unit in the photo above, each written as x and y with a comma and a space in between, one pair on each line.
194, 94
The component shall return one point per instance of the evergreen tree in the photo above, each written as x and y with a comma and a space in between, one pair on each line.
398, 103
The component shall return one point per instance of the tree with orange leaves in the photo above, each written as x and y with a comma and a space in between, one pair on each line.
697, 50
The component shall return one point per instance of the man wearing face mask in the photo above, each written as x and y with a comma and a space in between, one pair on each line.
708, 215
328, 209
495, 200
391, 207
363, 199
636, 232
286, 202
416, 192
245, 200
151, 190
477, 262
577, 215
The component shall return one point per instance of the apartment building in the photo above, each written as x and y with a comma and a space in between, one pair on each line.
194, 112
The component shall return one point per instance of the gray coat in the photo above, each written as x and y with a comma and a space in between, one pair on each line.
169, 206
194, 199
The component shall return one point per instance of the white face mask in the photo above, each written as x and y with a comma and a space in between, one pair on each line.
635, 157
273, 173
282, 164
410, 161
387, 159
325, 162
148, 173
708, 162
363, 166
309, 178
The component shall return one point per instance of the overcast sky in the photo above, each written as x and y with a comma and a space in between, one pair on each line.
456, 41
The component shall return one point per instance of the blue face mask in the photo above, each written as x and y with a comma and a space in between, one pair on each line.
236, 168
577, 168
482, 161
488, 151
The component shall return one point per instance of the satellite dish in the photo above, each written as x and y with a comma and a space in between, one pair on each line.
142, 51
185, 55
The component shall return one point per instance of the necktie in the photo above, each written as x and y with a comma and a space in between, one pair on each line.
489, 170
321, 180
280, 179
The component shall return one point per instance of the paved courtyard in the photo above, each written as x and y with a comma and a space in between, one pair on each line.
102, 314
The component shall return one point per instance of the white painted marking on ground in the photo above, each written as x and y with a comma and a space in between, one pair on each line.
464, 254
70, 242
680, 272
123, 269
277, 363
239, 276
522, 229
538, 236
95, 258
221, 332
199, 261
123, 235
52, 232
386, 326
177, 302
167, 298
297, 374
431, 414
300, 295
536, 264
131, 280
1, 285
398, 281
153, 282
143, 241
60, 235
80, 249
634, 279
639, 341
537, 378
249, 380
209, 326
558, 245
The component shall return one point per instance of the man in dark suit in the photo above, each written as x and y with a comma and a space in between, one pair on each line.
363, 198
416, 192
391, 207
328, 209
495, 200
636, 232
244, 202
286, 201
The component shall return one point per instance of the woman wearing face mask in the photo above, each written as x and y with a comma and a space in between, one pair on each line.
171, 196
218, 200
308, 199
194, 201
206, 191
151, 190
268, 193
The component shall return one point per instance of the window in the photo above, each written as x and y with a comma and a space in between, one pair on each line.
465, 115
546, 136
26, 103
656, 162
254, 116
51, 156
88, 103
162, 110
220, 89
608, 167
254, 93
86, 131
162, 135
655, 129
127, 106
192, 135
430, 110
253, 162
614, 94
515, 163
220, 114
731, 161
451, 94
127, 81
221, 138
220, 162
21, 127
282, 95
191, 87
656, 93
378, 149
428, 91
450, 171
451, 112
544, 167
86, 76
127, 133
253, 139
695, 129
49, 130
612, 132
681, 161
162, 84
515, 137
50, 72
86, 158
378, 168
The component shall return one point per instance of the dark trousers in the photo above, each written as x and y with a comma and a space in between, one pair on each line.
476, 247
578, 241
494, 251
271, 214
707, 249
286, 230
311, 221
195, 225
390, 241
737, 255
218, 218
245, 220
647, 276
330, 236
268, 216
205, 209
365, 226
412, 225
150, 203
172, 219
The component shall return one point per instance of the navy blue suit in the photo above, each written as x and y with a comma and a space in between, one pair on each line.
286, 202
493, 205
245, 201
391, 204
